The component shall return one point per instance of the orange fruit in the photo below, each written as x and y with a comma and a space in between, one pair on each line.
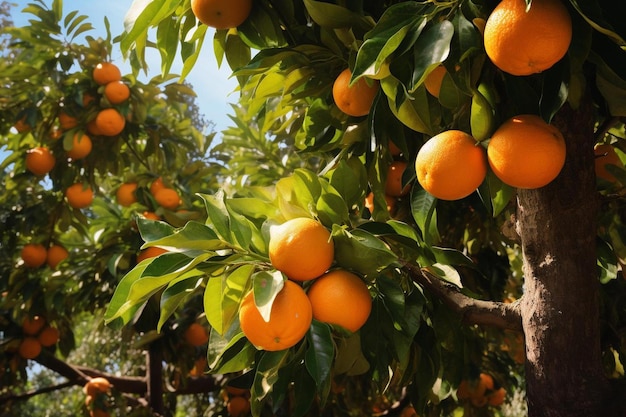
393, 183
81, 147
199, 367
55, 133
109, 122
116, 92
66, 121
408, 411
21, 126
434, 79
238, 406
49, 336
151, 215
221, 14
167, 198
606, 155
79, 196
105, 73
156, 185
354, 100
150, 252
40, 161
341, 298
496, 398
290, 319
524, 43
97, 412
451, 165
88, 99
92, 127
526, 152
96, 386
369, 202
296, 237
394, 150
196, 335
34, 255
29, 348
56, 254
33, 326
237, 392
125, 194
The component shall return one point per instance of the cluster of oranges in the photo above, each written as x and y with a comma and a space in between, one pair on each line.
303, 250
524, 152
237, 401
37, 335
97, 396
35, 255
481, 392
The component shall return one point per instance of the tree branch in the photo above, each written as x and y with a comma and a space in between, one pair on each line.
473, 311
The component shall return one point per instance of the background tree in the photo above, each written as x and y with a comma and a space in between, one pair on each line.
470, 299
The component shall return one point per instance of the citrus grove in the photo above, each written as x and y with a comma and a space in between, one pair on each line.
416, 212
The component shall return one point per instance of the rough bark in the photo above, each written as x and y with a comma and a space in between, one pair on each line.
560, 308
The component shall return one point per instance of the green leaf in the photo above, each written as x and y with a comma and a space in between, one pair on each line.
446, 273
266, 286
229, 354
151, 230
350, 359
174, 295
193, 236
223, 295
431, 49
266, 375
423, 209
495, 194
361, 251
319, 356
392, 298
387, 36
218, 218
138, 20
412, 110
607, 261
115, 315
333, 16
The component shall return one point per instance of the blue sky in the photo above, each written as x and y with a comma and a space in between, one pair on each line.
212, 85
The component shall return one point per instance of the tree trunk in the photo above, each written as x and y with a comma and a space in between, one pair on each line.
560, 307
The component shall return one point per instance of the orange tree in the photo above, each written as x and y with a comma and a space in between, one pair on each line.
87, 238
521, 284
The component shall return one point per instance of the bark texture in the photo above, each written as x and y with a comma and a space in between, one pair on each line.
561, 305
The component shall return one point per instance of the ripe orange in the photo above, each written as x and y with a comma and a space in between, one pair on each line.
81, 147
221, 14
434, 79
49, 336
97, 412
391, 202
355, 100
34, 255
408, 411
105, 73
92, 127
393, 184
290, 319
150, 215
40, 161
96, 386
238, 406
29, 348
21, 126
156, 185
125, 194
167, 198
524, 43
301, 248
237, 392
196, 335
109, 122
150, 252
66, 121
496, 398
79, 196
56, 254
606, 155
116, 92
341, 298
33, 326
526, 152
451, 165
